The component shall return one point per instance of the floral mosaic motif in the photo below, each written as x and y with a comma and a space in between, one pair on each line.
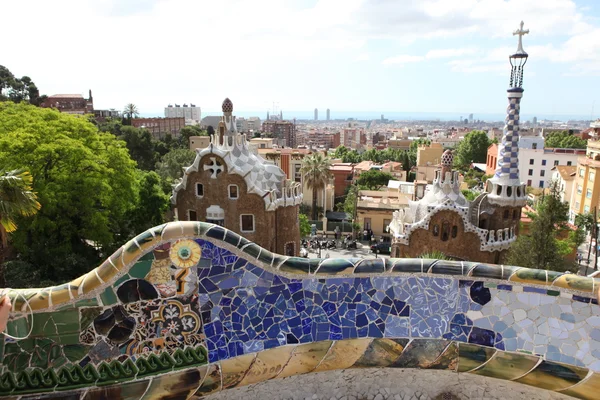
185, 253
175, 319
241, 303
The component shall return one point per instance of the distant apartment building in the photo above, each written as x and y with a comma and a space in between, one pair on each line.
103, 115
289, 160
160, 127
210, 120
284, 131
586, 193
399, 144
70, 103
318, 139
564, 176
342, 177
492, 159
252, 124
353, 136
535, 161
328, 114
191, 113
316, 114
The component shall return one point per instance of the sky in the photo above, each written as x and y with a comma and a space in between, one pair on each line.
351, 55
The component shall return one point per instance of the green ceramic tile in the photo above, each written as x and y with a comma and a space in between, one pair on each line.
471, 356
88, 314
420, 353
553, 293
91, 302
490, 285
108, 297
140, 269
122, 279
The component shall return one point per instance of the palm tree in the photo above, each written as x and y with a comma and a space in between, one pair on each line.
315, 171
16, 199
131, 111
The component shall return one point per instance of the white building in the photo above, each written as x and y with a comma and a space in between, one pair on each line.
565, 178
536, 164
191, 113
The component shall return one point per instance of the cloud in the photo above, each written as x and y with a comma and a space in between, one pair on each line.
450, 53
402, 59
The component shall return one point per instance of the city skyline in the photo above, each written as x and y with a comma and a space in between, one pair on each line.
359, 56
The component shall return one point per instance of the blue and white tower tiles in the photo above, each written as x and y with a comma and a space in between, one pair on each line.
505, 188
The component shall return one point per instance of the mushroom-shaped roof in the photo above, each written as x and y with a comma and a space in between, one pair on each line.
227, 105
447, 158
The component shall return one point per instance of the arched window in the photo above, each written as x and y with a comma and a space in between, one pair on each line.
505, 214
445, 231
436, 230
454, 231
515, 214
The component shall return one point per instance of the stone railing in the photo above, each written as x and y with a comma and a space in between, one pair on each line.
188, 309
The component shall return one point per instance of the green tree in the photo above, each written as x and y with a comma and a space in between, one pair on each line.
141, 146
315, 171
473, 148
542, 248
130, 111
374, 179
85, 182
152, 203
564, 140
18, 90
170, 167
585, 225
17, 199
304, 225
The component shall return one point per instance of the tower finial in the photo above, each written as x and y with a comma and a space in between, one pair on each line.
521, 32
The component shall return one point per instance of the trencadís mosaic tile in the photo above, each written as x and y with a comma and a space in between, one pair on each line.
196, 297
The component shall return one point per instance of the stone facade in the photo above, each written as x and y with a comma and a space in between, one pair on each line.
230, 185
446, 234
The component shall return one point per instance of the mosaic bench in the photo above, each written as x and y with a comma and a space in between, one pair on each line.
187, 309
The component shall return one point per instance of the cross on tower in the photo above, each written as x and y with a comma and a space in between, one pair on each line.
521, 32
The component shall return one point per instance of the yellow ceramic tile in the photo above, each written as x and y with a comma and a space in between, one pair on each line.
37, 302
234, 369
343, 354
60, 294
381, 353
131, 251
146, 240
90, 282
76, 284
471, 356
115, 258
554, 376
504, 365
211, 381
305, 358
178, 385
527, 275
268, 364
106, 271
588, 389
189, 228
173, 230
575, 282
